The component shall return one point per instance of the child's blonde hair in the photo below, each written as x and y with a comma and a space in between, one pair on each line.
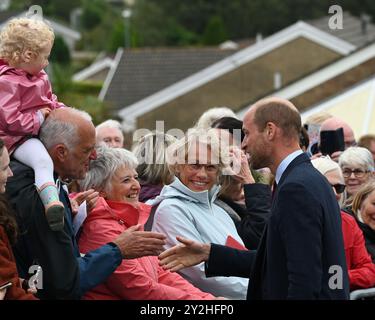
22, 34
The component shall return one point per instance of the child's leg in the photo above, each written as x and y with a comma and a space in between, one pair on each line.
33, 153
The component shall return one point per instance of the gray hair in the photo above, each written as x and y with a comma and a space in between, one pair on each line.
55, 130
104, 167
150, 151
211, 115
114, 124
357, 156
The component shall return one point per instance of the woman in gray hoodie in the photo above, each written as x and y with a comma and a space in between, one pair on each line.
187, 206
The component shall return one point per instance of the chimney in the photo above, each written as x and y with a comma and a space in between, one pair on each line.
259, 37
277, 80
365, 21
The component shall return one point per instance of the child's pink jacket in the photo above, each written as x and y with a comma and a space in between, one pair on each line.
21, 96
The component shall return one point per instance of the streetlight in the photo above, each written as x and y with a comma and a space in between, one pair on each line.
127, 13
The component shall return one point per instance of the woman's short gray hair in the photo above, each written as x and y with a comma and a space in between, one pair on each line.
54, 130
150, 151
357, 156
104, 167
178, 152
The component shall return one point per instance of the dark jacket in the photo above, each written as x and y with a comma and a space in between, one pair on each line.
301, 243
66, 275
149, 191
253, 217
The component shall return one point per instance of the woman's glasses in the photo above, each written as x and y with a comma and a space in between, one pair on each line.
339, 188
358, 173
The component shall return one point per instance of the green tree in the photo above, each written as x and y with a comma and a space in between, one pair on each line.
92, 13
215, 32
117, 38
60, 52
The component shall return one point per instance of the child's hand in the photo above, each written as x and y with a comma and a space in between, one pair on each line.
45, 112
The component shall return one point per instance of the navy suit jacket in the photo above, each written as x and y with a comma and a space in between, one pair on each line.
301, 253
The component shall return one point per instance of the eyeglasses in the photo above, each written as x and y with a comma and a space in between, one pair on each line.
358, 173
339, 188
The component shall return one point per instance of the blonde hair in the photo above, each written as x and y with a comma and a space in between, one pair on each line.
361, 196
318, 118
150, 151
22, 34
178, 152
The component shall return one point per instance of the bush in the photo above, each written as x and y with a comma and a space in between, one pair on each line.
60, 52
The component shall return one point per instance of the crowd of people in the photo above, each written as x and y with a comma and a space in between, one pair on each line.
251, 209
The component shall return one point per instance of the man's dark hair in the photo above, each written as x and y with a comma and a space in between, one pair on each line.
230, 124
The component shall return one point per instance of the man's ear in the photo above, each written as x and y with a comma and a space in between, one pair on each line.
270, 131
27, 56
61, 152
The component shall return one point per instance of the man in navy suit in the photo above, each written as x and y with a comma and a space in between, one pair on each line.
301, 253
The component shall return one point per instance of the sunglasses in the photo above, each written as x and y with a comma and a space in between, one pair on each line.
339, 188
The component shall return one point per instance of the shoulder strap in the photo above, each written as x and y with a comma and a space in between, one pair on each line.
150, 220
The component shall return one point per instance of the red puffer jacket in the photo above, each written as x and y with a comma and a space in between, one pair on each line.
136, 279
360, 266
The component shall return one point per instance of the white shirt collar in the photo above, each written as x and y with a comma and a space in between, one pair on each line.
285, 163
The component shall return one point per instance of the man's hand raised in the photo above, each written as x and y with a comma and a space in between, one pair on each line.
134, 243
188, 253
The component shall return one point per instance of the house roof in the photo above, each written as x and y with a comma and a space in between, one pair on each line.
352, 31
142, 72
169, 93
58, 27
321, 76
100, 65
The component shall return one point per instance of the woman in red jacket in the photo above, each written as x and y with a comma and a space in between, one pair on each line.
9, 279
360, 266
113, 174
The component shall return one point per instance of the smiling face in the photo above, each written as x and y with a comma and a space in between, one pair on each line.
5, 171
255, 144
368, 210
125, 186
355, 177
199, 174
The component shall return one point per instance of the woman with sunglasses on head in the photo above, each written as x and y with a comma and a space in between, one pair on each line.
360, 267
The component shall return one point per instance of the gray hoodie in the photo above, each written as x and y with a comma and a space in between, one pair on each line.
195, 216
